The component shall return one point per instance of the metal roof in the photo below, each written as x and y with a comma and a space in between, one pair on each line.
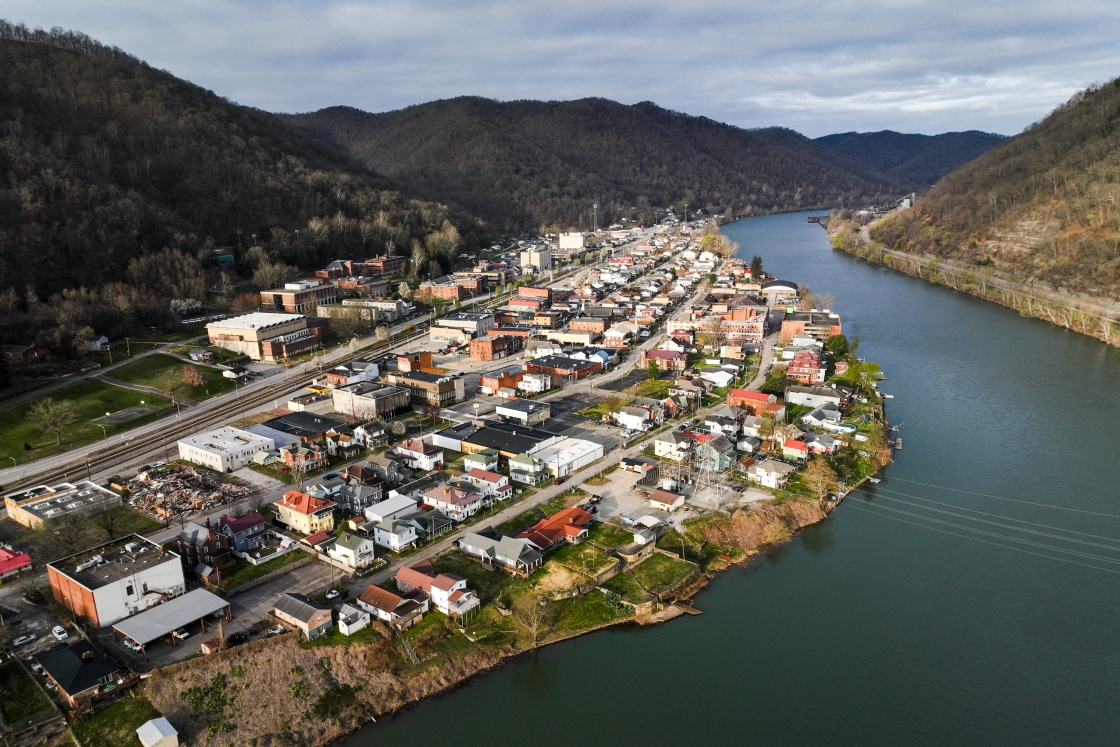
173, 614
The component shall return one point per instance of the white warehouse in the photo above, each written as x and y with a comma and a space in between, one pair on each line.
569, 455
224, 449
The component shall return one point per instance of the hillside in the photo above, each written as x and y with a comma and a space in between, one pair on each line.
533, 163
106, 160
1040, 206
919, 159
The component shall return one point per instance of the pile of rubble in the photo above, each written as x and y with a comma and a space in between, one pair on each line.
177, 490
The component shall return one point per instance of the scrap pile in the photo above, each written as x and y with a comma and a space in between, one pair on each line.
172, 492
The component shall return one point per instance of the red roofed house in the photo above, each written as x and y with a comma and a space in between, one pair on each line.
419, 455
750, 401
794, 449
665, 500
666, 360
457, 503
806, 367
304, 513
13, 562
568, 525
401, 610
448, 592
490, 484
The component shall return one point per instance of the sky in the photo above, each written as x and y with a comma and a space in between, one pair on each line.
818, 67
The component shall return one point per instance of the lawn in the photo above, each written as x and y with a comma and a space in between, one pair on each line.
91, 399
588, 611
627, 587
243, 571
584, 558
337, 638
22, 698
490, 585
609, 536
659, 571
522, 520
116, 725
554, 504
150, 371
656, 388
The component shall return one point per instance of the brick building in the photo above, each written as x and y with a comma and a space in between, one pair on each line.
491, 348
301, 297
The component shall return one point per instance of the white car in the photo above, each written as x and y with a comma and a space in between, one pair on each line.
278, 631
23, 640
332, 594
59, 632
132, 645
158, 464
182, 633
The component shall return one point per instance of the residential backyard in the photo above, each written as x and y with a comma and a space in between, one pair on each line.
116, 725
154, 370
628, 588
243, 571
22, 699
609, 536
585, 558
91, 399
660, 571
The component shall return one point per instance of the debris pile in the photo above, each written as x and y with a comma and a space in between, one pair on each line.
174, 491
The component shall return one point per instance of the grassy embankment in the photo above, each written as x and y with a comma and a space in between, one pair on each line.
153, 371
91, 399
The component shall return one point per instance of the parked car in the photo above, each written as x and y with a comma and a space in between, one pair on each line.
238, 638
59, 632
278, 631
23, 640
559, 481
182, 633
156, 465
132, 645
145, 468
333, 594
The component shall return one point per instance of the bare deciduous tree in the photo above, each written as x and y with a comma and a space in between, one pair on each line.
53, 416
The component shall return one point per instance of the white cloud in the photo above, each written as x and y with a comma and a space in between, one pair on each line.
914, 65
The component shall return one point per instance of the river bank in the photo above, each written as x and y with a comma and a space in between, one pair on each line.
1077, 315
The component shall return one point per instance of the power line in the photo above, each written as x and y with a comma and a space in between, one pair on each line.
1013, 500
977, 539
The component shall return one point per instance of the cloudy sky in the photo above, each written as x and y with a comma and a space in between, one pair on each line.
910, 65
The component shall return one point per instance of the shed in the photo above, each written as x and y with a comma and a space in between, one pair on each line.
158, 733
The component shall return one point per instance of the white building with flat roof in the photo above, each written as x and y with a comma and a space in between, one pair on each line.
224, 449
569, 455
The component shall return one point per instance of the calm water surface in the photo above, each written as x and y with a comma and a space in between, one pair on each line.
889, 623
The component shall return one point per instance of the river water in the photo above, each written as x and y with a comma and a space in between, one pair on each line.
889, 623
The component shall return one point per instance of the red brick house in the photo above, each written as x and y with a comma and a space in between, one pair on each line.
666, 360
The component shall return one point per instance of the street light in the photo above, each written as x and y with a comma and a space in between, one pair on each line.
104, 431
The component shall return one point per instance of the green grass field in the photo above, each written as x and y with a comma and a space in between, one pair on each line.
659, 571
627, 587
116, 725
22, 698
150, 371
581, 613
490, 585
608, 536
522, 520
91, 399
584, 558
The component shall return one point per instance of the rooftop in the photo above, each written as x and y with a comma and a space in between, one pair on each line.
55, 501
255, 320
108, 563
227, 438
76, 667
305, 424
171, 615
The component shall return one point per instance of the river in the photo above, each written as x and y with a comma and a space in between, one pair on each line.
889, 623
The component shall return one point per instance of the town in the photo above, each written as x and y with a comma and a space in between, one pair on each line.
570, 434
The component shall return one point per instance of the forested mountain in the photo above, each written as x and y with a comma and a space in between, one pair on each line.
918, 159
1042, 205
526, 164
116, 172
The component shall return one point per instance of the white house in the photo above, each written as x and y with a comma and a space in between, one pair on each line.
527, 469
672, 445
494, 486
353, 372
487, 460
634, 418
535, 383
94, 344
395, 535
419, 455
351, 619
390, 508
665, 500
827, 413
355, 550
813, 396
771, 474
223, 449
448, 593
719, 377
457, 503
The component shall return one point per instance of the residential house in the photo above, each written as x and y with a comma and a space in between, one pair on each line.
304, 513
771, 474
352, 372
355, 497
351, 619
509, 554
822, 415
246, 532
370, 434
717, 376
203, 549
793, 448
715, 453
401, 610
568, 525
672, 445
815, 396
341, 445
448, 593
528, 470
389, 470
487, 459
360, 474
94, 344
82, 673
311, 619
751, 425
749, 444
753, 402
13, 562
355, 550
21, 354
456, 502
806, 368
419, 455
821, 443
665, 500
722, 423
304, 458
494, 486
535, 383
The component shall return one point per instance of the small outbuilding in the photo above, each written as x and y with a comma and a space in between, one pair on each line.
158, 733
